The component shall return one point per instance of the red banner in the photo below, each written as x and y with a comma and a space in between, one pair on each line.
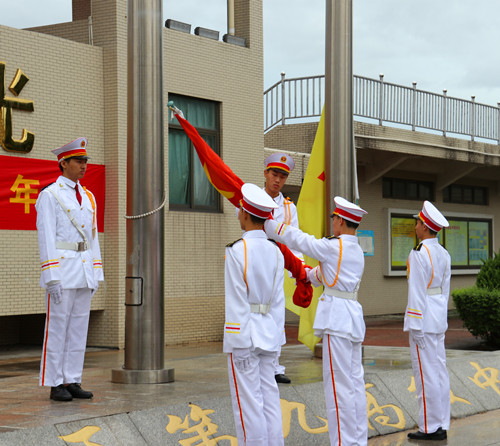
22, 179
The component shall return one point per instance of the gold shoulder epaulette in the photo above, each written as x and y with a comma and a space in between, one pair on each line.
230, 245
417, 248
331, 237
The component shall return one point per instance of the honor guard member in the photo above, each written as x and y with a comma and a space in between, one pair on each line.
255, 319
71, 270
339, 317
426, 320
278, 167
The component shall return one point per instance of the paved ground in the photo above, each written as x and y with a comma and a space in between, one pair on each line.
201, 378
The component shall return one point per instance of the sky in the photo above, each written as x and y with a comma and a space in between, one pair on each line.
440, 44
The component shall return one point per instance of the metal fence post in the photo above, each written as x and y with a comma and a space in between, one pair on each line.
444, 111
414, 108
381, 99
498, 128
282, 98
473, 118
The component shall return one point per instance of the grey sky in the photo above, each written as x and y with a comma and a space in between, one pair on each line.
439, 44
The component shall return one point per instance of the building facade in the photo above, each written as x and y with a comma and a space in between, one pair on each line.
77, 83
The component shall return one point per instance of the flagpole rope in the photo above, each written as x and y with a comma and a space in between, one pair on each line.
134, 217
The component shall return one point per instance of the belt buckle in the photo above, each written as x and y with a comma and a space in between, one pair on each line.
81, 246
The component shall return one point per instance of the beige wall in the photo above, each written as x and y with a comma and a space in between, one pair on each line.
65, 85
427, 157
82, 90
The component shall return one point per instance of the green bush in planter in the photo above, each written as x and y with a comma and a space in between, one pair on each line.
479, 309
489, 274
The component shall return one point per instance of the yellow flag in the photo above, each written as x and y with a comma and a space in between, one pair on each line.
311, 208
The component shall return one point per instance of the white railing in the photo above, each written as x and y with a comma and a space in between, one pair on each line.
303, 97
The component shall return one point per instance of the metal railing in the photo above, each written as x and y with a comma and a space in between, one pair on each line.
303, 97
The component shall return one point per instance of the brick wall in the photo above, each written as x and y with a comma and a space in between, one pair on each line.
82, 90
81, 9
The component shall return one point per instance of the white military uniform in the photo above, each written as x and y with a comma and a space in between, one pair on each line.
255, 320
254, 280
429, 273
66, 324
339, 322
286, 212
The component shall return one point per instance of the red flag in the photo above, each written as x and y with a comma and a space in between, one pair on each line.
21, 181
218, 173
229, 185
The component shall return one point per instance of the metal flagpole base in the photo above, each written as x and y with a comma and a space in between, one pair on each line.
124, 376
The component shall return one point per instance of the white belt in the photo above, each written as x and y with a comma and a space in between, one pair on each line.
433, 291
341, 294
72, 246
260, 308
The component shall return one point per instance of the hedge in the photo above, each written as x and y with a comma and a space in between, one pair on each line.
489, 274
479, 309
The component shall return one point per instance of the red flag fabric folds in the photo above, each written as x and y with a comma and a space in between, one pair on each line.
229, 185
218, 173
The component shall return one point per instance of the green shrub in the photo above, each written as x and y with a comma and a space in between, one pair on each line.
479, 309
489, 275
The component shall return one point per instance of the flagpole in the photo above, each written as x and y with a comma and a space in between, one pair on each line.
339, 131
144, 281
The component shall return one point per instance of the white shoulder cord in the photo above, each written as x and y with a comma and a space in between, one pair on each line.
68, 213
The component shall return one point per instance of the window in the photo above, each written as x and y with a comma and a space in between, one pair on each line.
468, 240
407, 189
189, 187
459, 193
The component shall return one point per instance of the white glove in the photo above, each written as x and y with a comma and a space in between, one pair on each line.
241, 358
94, 290
418, 338
55, 292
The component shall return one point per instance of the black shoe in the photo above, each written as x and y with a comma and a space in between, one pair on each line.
281, 378
440, 434
77, 392
60, 393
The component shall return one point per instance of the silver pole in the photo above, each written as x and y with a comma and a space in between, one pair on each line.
144, 326
339, 131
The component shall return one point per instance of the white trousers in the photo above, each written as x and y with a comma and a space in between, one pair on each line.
256, 401
344, 386
65, 337
278, 368
432, 383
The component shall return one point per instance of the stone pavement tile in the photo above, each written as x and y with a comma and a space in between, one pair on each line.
46, 436
115, 430
463, 401
386, 413
479, 374
304, 414
476, 430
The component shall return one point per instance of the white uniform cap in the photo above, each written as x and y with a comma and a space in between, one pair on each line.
256, 201
74, 149
280, 161
347, 210
431, 217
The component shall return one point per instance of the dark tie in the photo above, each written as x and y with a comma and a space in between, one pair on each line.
78, 196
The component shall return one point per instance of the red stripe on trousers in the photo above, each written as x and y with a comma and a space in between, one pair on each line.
45, 343
334, 390
423, 389
238, 398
